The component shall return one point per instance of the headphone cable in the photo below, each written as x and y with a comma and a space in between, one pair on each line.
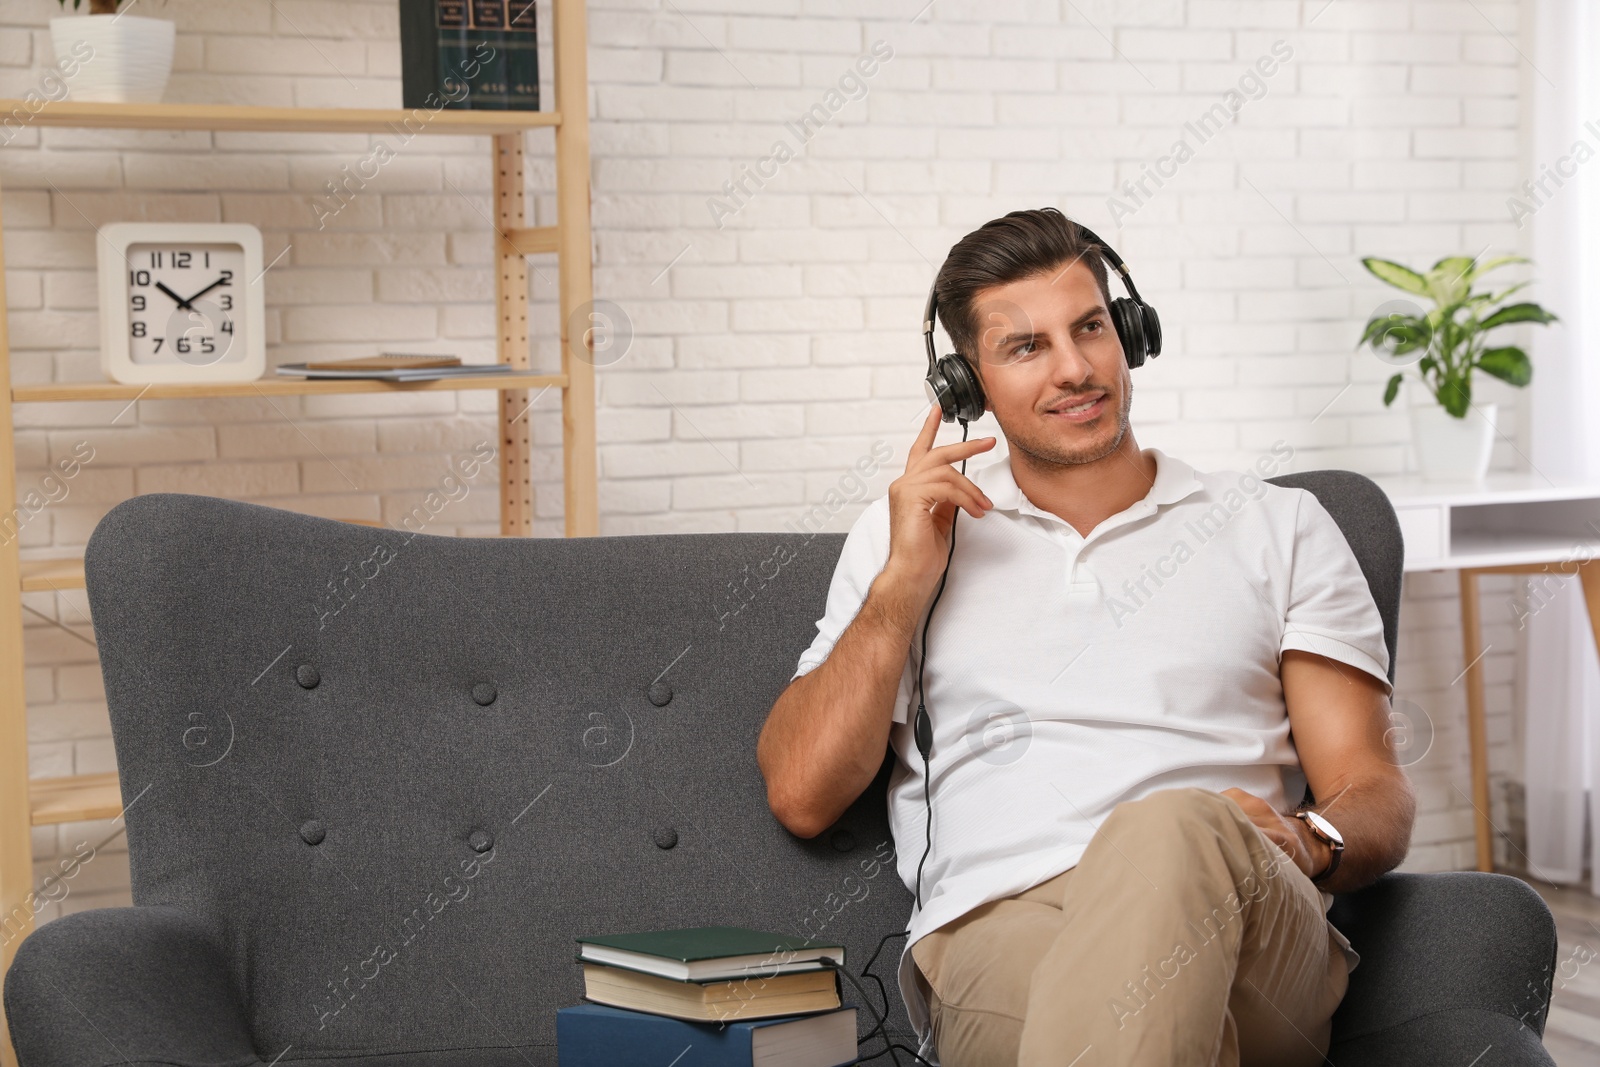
924, 727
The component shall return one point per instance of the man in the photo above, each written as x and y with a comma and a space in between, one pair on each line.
1134, 672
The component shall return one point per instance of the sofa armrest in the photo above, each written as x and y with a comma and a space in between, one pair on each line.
124, 985
1462, 957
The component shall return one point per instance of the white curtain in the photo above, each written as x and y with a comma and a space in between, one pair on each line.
1560, 694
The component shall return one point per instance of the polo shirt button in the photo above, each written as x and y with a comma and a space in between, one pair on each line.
660, 694
843, 840
483, 693
307, 675
666, 837
313, 832
480, 841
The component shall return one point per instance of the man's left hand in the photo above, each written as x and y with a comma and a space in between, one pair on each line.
1309, 852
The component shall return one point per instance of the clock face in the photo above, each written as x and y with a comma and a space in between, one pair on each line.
185, 302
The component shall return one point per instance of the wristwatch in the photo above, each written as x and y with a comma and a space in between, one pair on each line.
1323, 829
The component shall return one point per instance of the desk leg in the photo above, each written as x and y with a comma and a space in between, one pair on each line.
1477, 731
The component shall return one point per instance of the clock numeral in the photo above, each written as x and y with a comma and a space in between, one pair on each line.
227, 301
227, 325
181, 344
138, 302
227, 277
155, 259
206, 346
181, 259
208, 258
158, 343
138, 329
140, 277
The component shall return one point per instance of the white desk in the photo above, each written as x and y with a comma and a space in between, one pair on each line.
1519, 523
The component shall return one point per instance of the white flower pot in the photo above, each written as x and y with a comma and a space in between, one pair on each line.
1451, 449
119, 58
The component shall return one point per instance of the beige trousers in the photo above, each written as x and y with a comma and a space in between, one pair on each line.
1184, 937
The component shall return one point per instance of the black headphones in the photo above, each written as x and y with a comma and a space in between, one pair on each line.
953, 384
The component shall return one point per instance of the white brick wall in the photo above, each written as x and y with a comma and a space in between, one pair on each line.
776, 348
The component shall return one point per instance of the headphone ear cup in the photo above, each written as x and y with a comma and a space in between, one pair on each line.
965, 394
1129, 324
1152, 329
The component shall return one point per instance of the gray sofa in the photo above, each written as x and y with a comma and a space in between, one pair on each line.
377, 782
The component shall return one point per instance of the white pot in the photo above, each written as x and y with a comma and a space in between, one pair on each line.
1451, 449
115, 58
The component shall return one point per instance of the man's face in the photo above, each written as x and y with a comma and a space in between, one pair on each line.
1052, 366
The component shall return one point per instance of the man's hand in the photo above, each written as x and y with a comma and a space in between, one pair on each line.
923, 503
1309, 852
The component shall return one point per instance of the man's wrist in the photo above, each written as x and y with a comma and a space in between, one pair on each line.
1325, 853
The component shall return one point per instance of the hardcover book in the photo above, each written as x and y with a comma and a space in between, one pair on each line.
480, 55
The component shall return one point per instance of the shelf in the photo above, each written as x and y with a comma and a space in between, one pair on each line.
49, 575
269, 387
278, 119
75, 799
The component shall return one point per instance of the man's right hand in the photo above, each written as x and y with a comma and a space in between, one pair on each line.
923, 503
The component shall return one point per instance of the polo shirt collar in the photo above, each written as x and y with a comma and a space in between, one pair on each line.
1175, 480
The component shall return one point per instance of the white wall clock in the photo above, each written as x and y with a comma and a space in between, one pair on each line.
181, 302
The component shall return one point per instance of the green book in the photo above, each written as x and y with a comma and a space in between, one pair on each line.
704, 953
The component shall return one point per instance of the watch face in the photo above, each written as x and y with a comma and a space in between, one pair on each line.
1323, 825
184, 302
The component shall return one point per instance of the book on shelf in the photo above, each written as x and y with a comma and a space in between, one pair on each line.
596, 1035
703, 953
712, 1000
480, 55
383, 360
393, 369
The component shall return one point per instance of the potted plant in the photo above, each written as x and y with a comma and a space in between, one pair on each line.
1453, 438
118, 57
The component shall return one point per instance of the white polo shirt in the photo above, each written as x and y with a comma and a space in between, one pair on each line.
1067, 674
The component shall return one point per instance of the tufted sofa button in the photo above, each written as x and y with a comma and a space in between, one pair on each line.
843, 840
313, 832
481, 841
307, 675
484, 693
660, 694
666, 837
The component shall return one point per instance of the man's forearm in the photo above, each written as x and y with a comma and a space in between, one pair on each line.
1374, 815
825, 737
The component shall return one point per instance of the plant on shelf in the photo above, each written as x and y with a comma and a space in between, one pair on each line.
1446, 343
96, 7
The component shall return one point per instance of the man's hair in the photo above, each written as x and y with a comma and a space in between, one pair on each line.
1016, 246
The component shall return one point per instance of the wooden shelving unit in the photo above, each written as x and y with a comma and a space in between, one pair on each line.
24, 803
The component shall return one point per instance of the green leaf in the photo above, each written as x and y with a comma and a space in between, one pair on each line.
1508, 364
1396, 333
1396, 275
1455, 393
1427, 364
1502, 294
1391, 389
1484, 268
1450, 280
1518, 313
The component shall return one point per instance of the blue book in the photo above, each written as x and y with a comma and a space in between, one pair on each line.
597, 1035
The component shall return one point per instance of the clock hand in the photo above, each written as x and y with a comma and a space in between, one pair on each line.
206, 290
181, 302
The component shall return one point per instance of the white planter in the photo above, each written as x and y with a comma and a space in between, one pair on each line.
1451, 449
119, 58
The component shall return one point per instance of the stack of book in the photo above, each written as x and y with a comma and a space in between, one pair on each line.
719, 996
